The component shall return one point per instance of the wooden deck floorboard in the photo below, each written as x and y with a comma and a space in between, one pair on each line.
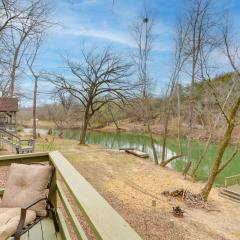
235, 188
44, 230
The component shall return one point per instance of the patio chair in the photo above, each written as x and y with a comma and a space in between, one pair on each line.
26, 199
27, 148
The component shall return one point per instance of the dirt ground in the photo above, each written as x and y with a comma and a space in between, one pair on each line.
131, 185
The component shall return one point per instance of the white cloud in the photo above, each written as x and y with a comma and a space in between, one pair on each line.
119, 37
82, 3
110, 35
113, 27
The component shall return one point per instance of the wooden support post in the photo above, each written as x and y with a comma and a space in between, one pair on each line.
1, 140
53, 190
15, 121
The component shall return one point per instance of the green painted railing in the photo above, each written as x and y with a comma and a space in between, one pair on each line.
232, 180
104, 221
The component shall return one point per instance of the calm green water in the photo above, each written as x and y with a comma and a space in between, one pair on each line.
141, 142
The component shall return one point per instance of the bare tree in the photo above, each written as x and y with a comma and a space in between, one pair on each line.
8, 13
142, 32
32, 19
172, 90
100, 78
198, 26
231, 116
110, 111
63, 113
214, 124
36, 75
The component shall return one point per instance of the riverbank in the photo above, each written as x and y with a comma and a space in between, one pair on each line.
40, 124
199, 132
131, 185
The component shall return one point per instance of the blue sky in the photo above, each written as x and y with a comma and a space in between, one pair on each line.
99, 23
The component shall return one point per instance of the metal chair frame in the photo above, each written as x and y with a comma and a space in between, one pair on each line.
21, 229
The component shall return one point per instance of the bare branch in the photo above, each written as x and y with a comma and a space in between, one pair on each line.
99, 79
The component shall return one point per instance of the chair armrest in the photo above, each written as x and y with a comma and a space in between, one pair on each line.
23, 216
34, 203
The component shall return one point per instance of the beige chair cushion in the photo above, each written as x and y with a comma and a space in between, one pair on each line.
25, 184
9, 219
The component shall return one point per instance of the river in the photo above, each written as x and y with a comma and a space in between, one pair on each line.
142, 142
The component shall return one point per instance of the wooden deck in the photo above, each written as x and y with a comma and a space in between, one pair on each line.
234, 188
231, 192
104, 221
44, 230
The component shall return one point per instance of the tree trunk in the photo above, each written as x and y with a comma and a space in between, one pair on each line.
191, 104
225, 142
83, 132
84, 126
165, 134
153, 145
15, 63
114, 121
179, 121
13, 73
194, 172
34, 108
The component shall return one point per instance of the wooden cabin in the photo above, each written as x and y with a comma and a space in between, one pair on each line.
73, 197
8, 110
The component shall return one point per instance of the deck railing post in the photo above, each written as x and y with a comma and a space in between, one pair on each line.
53, 190
1, 140
53, 199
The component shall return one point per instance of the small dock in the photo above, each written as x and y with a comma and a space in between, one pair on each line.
135, 152
231, 190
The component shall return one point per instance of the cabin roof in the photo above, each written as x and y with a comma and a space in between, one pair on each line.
8, 104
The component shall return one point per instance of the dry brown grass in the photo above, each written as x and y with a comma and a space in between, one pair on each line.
130, 184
